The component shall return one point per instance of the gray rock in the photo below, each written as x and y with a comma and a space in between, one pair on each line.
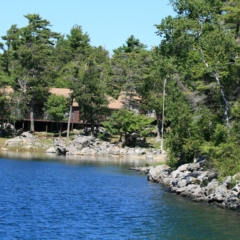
27, 135
158, 173
77, 145
186, 174
181, 183
105, 144
123, 151
51, 150
167, 181
174, 189
181, 190
211, 175
130, 151
83, 141
138, 151
192, 180
197, 166
114, 150
212, 186
26, 139
176, 174
174, 183
145, 170
17, 141
183, 167
86, 151
227, 182
197, 193
232, 202
72, 150
60, 146
236, 190
219, 194
202, 176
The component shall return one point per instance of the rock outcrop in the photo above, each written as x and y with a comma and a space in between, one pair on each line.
194, 181
91, 146
25, 140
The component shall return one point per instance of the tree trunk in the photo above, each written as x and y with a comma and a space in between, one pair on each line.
92, 130
60, 128
158, 126
69, 119
14, 129
125, 139
32, 118
85, 130
162, 130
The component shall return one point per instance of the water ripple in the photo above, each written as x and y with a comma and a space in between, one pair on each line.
57, 200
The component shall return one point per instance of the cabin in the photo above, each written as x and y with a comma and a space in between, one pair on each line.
42, 122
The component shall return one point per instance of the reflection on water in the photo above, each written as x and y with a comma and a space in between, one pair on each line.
76, 159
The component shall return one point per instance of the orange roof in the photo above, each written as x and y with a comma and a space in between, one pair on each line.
114, 104
63, 91
6, 90
60, 91
122, 99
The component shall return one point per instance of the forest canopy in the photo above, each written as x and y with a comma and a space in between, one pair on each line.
190, 81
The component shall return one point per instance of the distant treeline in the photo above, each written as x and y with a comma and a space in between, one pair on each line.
191, 80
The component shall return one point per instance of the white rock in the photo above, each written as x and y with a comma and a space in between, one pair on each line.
183, 167
51, 150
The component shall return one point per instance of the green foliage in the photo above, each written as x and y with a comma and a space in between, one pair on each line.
71, 54
132, 45
190, 81
29, 58
88, 91
225, 158
18, 106
5, 108
125, 122
232, 15
204, 52
57, 107
130, 66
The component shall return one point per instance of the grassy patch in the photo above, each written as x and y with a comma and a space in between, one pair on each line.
3, 140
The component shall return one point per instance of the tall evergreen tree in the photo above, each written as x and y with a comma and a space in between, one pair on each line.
89, 92
129, 67
30, 49
71, 52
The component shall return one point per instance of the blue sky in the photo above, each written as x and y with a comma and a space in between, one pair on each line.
108, 22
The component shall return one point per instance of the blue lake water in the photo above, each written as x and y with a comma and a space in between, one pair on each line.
99, 199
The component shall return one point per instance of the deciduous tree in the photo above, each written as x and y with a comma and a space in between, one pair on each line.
57, 107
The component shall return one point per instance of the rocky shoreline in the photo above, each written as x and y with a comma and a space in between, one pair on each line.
91, 146
84, 146
196, 182
191, 180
